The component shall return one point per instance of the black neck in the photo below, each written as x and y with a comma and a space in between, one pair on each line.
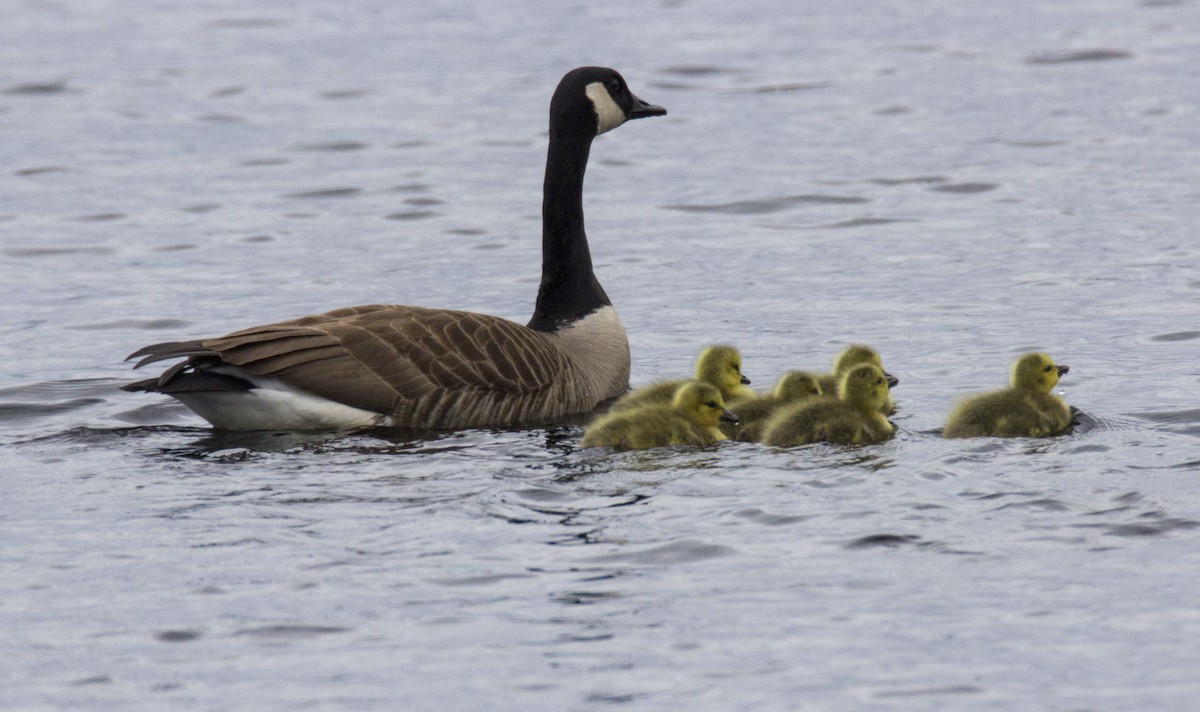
569, 290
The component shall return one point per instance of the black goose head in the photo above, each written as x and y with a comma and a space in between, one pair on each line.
592, 100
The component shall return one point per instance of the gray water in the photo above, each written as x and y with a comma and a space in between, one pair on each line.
952, 182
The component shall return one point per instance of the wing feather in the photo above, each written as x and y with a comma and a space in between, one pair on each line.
377, 357
423, 367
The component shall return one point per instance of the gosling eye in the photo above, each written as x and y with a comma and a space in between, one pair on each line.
1049, 368
711, 404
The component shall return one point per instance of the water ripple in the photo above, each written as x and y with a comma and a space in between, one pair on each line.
785, 87
201, 208
409, 188
864, 222
908, 181
965, 187
583, 598
1083, 55
178, 636
56, 251
771, 520
678, 552
94, 680
769, 205
480, 580
143, 324
412, 215
248, 23
1036, 144
695, 70
884, 541
39, 170
324, 193
1177, 336
24, 412
101, 217
933, 691
1040, 504
1145, 529
37, 89
283, 632
1188, 416
331, 147
338, 94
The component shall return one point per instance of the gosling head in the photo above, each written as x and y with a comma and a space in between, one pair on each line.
1036, 372
854, 354
592, 100
721, 366
864, 386
702, 404
796, 385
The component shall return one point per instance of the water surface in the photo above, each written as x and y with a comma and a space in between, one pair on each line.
952, 183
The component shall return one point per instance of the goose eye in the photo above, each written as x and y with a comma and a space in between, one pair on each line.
711, 404
1049, 368
614, 86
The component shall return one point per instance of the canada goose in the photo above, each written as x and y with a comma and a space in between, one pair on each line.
792, 387
388, 365
692, 417
851, 356
1026, 408
720, 365
852, 417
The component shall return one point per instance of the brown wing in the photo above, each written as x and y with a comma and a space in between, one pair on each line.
378, 357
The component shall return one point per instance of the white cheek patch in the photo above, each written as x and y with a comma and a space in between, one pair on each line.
608, 114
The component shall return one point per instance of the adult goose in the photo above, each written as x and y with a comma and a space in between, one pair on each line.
404, 366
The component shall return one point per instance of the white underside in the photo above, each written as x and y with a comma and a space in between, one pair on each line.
274, 405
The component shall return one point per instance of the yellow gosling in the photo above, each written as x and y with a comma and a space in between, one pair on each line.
853, 417
791, 388
844, 430
1026, 408
720, 365
851, 356
692, 418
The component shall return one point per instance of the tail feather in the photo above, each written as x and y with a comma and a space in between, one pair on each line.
169, 350
188, 376
189, 382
